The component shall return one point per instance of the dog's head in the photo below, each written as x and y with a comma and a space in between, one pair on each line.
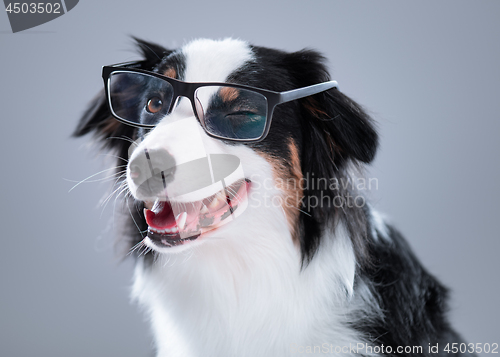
194, 188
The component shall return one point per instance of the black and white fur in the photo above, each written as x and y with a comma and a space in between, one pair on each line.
279, 282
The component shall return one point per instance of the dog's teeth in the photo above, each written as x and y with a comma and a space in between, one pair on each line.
148, 204
216, 200
175, 230
167, 230
204, 209
181, 220
220, 197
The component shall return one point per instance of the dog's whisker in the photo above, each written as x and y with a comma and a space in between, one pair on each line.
105, 204
122, 138
115, 156
140, 248
140, 245
122, 176
131, 250
306, 213
116, 198
104, 179
124, 189
133, 219
91, 176
106, 200
145, 249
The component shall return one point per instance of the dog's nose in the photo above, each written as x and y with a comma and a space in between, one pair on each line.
151, 171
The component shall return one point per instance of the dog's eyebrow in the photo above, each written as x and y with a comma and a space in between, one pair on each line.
228, 94
170, 72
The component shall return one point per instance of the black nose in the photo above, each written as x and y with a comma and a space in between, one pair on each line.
151, 171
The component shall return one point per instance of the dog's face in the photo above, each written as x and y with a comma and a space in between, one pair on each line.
187, 206
200, 191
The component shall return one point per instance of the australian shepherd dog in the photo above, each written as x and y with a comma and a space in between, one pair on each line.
238, 164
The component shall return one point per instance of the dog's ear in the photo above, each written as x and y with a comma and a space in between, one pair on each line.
98, 119
336, 131
348, 133
332, 121
151, 52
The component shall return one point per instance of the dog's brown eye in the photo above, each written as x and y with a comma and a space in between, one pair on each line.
154, 105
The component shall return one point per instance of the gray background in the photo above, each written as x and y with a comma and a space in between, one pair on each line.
427, 71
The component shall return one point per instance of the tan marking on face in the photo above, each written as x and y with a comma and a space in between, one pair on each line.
170, 72
294, 193
228, 94
312, 105
288, 178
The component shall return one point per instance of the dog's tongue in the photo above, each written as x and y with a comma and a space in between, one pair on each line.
161, 216
165, 218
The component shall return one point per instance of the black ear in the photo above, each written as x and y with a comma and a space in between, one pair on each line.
151, 52
337, 123
335, 132
347, 129
97, 118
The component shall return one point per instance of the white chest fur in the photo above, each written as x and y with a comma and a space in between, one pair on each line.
249, 297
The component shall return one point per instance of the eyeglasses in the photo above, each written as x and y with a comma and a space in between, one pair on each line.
227, 111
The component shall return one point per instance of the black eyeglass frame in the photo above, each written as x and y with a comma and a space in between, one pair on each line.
188, 89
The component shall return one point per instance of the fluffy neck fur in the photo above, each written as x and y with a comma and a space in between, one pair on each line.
238, 299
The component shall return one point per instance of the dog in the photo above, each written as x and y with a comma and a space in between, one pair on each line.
248, 241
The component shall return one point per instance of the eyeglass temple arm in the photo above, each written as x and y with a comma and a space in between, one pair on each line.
128, 64
306, 91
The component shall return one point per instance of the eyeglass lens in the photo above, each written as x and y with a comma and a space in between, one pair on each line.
139, 98
230, 112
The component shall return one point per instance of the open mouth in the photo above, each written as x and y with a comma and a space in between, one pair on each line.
172, 223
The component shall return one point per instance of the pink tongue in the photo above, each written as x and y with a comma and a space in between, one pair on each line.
162, 218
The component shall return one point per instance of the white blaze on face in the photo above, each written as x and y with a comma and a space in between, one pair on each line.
182, 138
214, 61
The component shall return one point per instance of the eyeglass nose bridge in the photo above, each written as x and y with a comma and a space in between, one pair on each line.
184, 90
